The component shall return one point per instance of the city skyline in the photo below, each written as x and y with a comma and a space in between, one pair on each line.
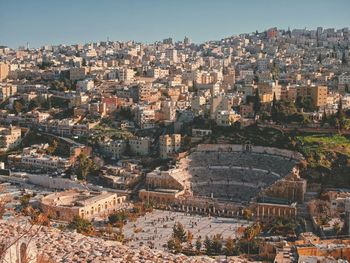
46, 23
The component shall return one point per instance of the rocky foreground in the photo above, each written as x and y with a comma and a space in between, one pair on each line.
60, 246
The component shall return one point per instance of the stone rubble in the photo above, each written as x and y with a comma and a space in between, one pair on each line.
64, 246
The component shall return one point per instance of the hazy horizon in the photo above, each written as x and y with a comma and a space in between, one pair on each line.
69, 22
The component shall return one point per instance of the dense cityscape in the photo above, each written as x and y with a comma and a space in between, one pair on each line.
236, 150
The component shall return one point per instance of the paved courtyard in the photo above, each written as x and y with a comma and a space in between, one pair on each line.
154, 229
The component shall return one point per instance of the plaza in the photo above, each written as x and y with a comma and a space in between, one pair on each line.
156, 228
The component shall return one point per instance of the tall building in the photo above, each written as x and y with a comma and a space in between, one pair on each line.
272, 32
171, 54
126, 74
7, 91
319, 95
168, 41
169, 144
187, 41
4, 71
140, 92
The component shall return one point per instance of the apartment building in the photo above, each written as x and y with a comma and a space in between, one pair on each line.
226, 118
246, 111
289, 93
125, 74
169, 144
85, 85
140, 92
140, 145
9, 137
268, 90
145, 117
171, 54
4, 71
77, 73
114, 149
220, 103
38, 161
6, 91
157, 73
318, 94
344, 79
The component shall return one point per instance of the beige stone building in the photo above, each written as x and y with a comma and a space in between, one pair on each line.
4, 71
169, 144
77, 73
7, 91
140, 145
171, 54
275, 210
114, 149
318, 94
289, 93
88, 205
226, 118
9, 137
126, 74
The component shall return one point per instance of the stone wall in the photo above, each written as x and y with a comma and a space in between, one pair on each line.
54, 183
255, 149
290, 188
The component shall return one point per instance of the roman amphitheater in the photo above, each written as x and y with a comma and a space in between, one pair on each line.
230, 174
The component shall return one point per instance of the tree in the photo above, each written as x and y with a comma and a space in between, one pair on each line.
179, 232
298, 117
274, 110
340, 112
24, 200
299, 102
247, 214
275, 71
189, 236
17, 107
217, 244
117, 217
52, 148
324, 118
341, 120
307, 104
229, 247
49, 104
33, 104
257, 103
81, 225
174, 245
344, 61
84, 62
84, 166
198, 245
208, 245
337, 228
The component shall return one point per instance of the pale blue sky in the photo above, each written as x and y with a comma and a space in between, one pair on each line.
43, 22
